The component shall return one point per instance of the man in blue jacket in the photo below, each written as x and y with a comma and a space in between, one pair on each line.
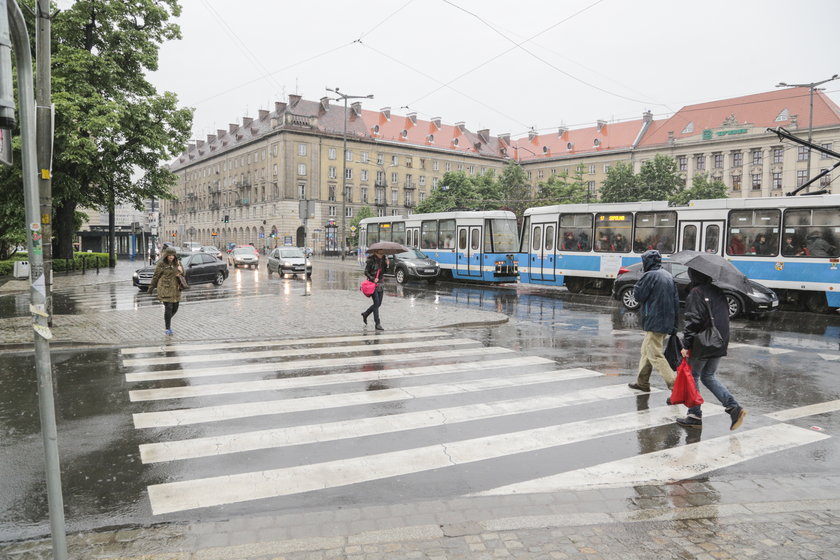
660, 306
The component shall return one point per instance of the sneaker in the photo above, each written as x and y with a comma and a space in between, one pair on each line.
638, 387
737, 414
690, 422
167, 331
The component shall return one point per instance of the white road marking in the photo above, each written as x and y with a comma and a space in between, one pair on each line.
668, 465
803, 411
331, 431
288, 353
769, 349
328, 379
218, 413
300, 365
289, 342
184, 495
829, 357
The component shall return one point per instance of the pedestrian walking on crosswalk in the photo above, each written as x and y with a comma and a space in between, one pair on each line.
374, 271
168, 286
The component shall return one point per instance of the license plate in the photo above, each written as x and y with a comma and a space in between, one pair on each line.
429, 270
775, 304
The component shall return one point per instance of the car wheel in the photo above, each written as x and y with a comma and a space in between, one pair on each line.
431, 280
400, 275
573, 285
815, 302
220, 279
309, 275
735, 305
627, 298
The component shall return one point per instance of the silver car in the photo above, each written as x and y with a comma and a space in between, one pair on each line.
245, 256
289, 260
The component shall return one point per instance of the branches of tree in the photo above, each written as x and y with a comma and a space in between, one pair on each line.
658, 179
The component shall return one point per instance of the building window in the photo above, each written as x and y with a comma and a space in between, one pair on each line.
422, 164
447, 166
348, 173
700, 163
348, 155
408, 181
682, 163
380, 177
394, 178
826, 147
331, 195
274, 169
302, 191
606, 169
540, 174
332, 172
756, 181
825, 180
592, 169
801, 177
737, 159
348, 194
529, 175
364, 174
434, 183
435, 165
757, 157
802, 153
736, 182
395, 198
460, 167
422, 180
395, 160
331, 153
331, 211
717, 161
364, 194
777, 180
380, 159
348, 212
364, 157
421, 196
302, 169
778, 155
301, 149
471, 169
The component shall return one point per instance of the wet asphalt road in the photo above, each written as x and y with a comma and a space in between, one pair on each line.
777, 362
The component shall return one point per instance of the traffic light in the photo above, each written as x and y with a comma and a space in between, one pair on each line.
227, 218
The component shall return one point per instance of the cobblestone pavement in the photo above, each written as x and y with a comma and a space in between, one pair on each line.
795, 517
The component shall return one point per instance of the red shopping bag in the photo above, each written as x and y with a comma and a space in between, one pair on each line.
685, 390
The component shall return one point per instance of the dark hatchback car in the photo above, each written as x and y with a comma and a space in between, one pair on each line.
413, 264
199, 268
759, 300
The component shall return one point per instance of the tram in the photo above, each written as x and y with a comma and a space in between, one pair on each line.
789, 244
467, 245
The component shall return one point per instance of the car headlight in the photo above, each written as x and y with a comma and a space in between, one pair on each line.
410, 264
136, 275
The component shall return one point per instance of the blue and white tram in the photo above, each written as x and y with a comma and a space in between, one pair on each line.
791, 244
478, 246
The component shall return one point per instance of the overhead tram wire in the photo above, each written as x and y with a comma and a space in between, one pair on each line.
395, 12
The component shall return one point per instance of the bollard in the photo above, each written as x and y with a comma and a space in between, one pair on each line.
97, 264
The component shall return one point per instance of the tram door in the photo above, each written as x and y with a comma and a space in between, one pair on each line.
468, 255
541, 262
704, 236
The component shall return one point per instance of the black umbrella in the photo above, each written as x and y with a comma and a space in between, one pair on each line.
720, 270
389, 247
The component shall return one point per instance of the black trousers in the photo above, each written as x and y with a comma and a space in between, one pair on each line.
374, 307
170, 308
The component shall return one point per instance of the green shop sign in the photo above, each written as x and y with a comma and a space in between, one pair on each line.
708, 134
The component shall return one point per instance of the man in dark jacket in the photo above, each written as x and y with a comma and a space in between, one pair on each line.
660, 306
706, 301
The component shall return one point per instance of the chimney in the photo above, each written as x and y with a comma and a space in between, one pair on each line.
356, 107
461, 126
436, 122
199, 143
647, 117
600, 124
211, 138
794, 121
484, 134
561, 131
412, 117
294, 100
671, 137
232, 127
263, 114
190, 147
220, 133
325, 104
385, 112
532, 134
504, 138
279, 107
246, 122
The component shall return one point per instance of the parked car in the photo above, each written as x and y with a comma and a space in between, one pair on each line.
244, 256
413, 264
760, 299
212, 251
191, 246
199, 268
288, 260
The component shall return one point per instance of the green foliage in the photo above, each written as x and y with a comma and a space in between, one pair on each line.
620, 184
562, 189
701, 188
456, 190
79, 261
515, 189
364, 212
658, 179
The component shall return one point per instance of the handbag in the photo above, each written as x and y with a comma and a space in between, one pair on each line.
709, 341
672, 351
182, 282
685, 389
369, 287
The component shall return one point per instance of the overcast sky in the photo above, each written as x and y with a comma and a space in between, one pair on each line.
507, 66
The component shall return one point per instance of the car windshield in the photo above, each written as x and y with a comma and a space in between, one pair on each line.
244, 251
210, 249
412, 253
291, 252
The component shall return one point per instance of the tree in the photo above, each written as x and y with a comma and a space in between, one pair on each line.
364, 212
701, 188
658, 179
620, 184
112, 129
456, 191
561, 189
515, 189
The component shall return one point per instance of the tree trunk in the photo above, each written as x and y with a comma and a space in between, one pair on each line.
64, 230
112, 233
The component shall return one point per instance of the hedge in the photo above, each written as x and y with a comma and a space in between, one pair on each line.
80, 261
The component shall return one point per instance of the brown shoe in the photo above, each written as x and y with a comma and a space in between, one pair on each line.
638, 387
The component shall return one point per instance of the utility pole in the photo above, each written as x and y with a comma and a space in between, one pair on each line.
345, 97
13, 32
44, 135
812, 87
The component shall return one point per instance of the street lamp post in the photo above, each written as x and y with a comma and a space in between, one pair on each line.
345, 97
812, 87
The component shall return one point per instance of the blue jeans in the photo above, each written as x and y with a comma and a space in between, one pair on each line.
377, 301
704, 370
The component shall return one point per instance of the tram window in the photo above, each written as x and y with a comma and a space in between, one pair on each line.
689, 241
503, 233
576, 230
446, 238
462, 239
385, 232
549, 238
655, 230
612, 232
536, 239
372, 233
398, 232
428, 234
525, 246
812, 232
754, 232
712, 237
475, 239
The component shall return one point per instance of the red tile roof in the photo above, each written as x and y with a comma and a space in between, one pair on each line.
610, 136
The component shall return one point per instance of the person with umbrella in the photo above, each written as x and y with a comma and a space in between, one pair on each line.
706, 306
375, 268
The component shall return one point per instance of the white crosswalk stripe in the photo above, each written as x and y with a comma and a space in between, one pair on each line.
427, 403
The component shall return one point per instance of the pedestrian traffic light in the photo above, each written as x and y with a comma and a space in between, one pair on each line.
227, 218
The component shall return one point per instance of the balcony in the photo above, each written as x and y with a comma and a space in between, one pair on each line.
191, 196
410, 186
191, 210
242, 202
213, 206
380, 202
409, 203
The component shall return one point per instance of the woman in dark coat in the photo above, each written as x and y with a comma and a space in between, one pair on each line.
168, 286
374, 271
704, 368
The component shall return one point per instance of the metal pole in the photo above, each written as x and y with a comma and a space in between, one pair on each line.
44, 134
42, 333
810, 126
344, 182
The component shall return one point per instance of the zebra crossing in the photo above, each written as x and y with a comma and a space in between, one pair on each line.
323, 416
